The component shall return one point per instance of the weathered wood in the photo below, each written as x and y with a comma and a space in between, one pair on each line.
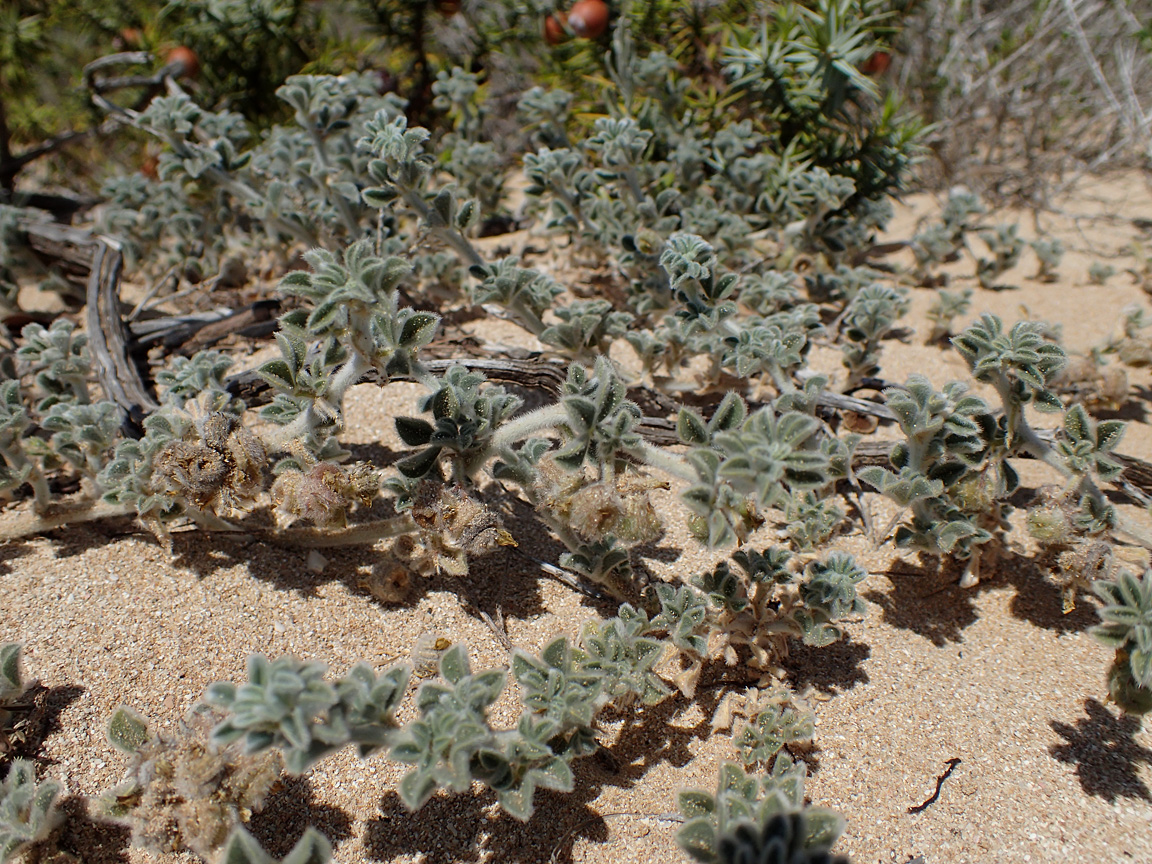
85, 252
69, 248
107, 338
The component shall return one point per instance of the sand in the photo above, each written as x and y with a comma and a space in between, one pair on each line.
995, 677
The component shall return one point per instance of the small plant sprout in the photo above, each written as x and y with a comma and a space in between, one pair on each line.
1099, 273
758, 819
947, 307
1127, 627
1049, 252
1005, 245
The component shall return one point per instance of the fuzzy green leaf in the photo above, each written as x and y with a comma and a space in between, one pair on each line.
420, 464
127, 730
413, 431
418, 330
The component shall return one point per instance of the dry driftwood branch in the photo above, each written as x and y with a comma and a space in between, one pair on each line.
107, 339
106, 335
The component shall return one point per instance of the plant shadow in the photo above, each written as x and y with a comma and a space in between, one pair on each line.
1132, 410
831, 669
649, 738
375, 453
456, 829
77, 539
500, 580
10, 552
925, 599
290, 810
1040, 601
1104, 752
36, 718
88, 840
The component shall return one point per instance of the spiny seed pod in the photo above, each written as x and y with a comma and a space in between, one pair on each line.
223, 469
621, 508
452, 528
326, 493
1049, 525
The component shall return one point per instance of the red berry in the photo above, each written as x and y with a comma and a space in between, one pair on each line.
877, 64
588, 18
129, 39
186, 57
554, 32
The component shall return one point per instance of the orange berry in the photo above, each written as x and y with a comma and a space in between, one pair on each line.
554, 32
877, 64
589, 18
186, 57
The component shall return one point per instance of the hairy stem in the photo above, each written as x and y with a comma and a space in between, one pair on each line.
20, 524
335, 198
548, 417
459, 243
664, 460
353, 535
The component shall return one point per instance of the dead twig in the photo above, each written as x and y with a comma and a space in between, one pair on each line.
920, 808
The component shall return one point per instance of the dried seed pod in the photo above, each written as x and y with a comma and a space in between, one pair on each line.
389, 581
453, 527
191, 471
426, 653
326, 493
220, 472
